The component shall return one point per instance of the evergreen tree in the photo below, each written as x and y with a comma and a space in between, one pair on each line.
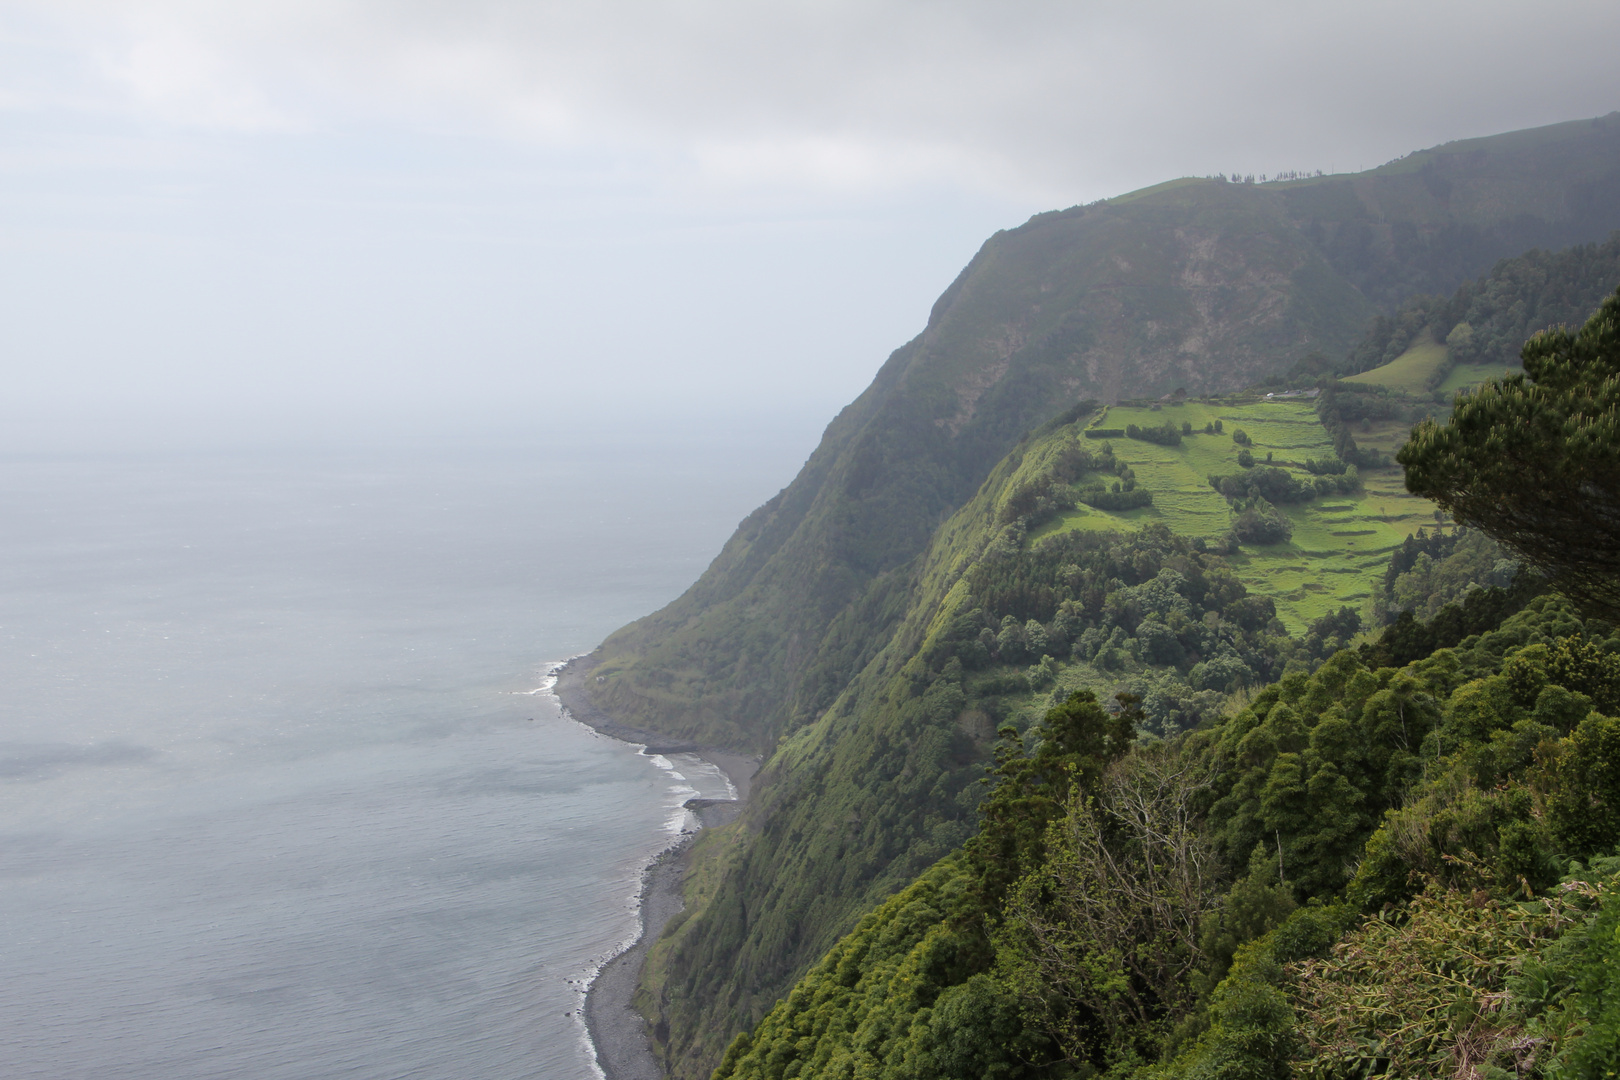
1533, 460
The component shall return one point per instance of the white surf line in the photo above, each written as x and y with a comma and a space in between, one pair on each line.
680, 824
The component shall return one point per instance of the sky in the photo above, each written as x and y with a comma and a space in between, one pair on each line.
306, 220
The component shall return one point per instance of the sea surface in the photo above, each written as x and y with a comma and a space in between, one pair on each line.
282, 794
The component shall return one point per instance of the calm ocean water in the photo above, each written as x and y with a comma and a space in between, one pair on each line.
278, 796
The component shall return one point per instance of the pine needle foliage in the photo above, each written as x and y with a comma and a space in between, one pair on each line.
1533, 460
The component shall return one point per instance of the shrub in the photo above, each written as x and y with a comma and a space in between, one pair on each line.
1252, 1034
1266, 482
1261, 523
1584, 804
1325, 466
1426, 995
1116, 500
1166, 434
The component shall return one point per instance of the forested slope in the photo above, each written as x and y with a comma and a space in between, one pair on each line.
1201, 284
1026, 595
1485, 322
871, 652
886, 781
1399, 863
1369, 871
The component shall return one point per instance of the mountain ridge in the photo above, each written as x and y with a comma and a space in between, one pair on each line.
1206, 285
791, 633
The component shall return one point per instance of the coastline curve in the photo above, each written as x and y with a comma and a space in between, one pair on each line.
619, 1036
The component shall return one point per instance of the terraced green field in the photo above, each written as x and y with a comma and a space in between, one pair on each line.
1341, 543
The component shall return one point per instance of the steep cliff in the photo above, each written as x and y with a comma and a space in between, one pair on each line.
1199, 284
801, 640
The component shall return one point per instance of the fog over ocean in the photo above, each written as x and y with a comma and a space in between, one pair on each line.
278, 797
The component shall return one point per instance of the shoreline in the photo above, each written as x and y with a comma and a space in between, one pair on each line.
618, 1034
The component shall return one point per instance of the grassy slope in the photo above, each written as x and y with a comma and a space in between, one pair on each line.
1341, 543
1463, 376
1410, 371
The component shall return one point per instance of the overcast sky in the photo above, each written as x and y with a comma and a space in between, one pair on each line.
319, 216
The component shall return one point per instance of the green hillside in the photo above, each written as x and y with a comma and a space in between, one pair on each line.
1340, 545
1462, 376
1413, 371
1484, 322
1172, 909
1201, 284
886, 782
808, 639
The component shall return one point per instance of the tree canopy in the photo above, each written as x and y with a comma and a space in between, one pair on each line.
1533, 460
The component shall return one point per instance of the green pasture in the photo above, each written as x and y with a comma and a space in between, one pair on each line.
1341, 543
1409, 371
1387, 436
1465, 375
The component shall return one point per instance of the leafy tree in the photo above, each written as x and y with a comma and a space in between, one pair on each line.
1533, 460
1101, 939
1584, 806
1074, 743
1260, 523
1325, 466
1270, 483
1167, 434
1426, 572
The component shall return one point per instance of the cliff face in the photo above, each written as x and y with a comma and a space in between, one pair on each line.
1197, 284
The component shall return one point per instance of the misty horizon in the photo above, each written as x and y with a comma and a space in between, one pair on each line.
268, 224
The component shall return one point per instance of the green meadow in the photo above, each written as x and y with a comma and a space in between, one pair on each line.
1409, 371
1463, 376
1341, 543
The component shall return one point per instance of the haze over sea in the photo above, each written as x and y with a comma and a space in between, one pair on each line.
278, 796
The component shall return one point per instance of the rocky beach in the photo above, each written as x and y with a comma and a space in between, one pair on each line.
618, 1033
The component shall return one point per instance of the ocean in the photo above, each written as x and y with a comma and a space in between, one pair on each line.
282, 794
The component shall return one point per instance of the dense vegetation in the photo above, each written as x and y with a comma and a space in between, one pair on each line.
1168, 910
1366, 871
1000, 626
1047, 313
1486, 321
809, 639
1533, 460
1428, 571
1150, 612
1402, 862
